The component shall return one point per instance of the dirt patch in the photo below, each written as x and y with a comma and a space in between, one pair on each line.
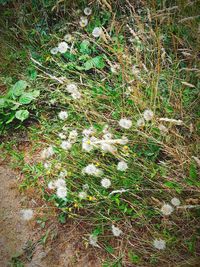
14, 232
20, 239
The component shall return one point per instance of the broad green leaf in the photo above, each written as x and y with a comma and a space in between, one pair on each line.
98, 62
84, 47
88, 64
19, 87
2, 103
26, 98
22, 114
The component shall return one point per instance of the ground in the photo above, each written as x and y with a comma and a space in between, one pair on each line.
18, 239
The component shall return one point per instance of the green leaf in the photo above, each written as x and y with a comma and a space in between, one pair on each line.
2, 103
88, 64
193, 171
22, 114
96, 62
84, 47
26, 98
19, 87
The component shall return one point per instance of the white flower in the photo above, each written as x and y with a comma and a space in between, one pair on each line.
72, 87
123, 140
108, 148
83, 22
85, 187
63, 115
51, 185
63, 47
107, 136
159, 244
88, 132
175, 201
122, 166
27, 214
66, 145
87, 11
97, 32
116, 231
167, 209
162, 128
68, 38
60, 183
47, 152
148, 115
87, 144
93, 240
61, 192
106, 182
125, 123
54, 50
73, 136
63, 174
82, 195
62, 136
140, 123
76, 95
47, 165
91, 169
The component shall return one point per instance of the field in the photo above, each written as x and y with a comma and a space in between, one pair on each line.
99, 118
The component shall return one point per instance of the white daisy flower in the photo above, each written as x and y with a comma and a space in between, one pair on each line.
122, 166
91, 169
54, 50
68, 38
62, 136
125, 123
175, 201
73, 136
167, 209
27, 214
63, 47
93, 241
87, 11
106, 183
83, 22
71, 88
140, 123
47, 152
66, 145
51, 185
116, 231
82, 195
148, 115
60, 183
61, 192
159, 244
97, 32
63, 115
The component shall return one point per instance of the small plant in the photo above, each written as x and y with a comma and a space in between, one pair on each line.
14, 104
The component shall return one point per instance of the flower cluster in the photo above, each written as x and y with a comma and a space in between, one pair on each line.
60, 186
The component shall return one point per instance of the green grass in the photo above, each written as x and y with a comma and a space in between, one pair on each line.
160, 166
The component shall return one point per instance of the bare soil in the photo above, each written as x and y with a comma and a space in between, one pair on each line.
19, 239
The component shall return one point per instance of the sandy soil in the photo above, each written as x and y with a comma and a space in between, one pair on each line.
16, 235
